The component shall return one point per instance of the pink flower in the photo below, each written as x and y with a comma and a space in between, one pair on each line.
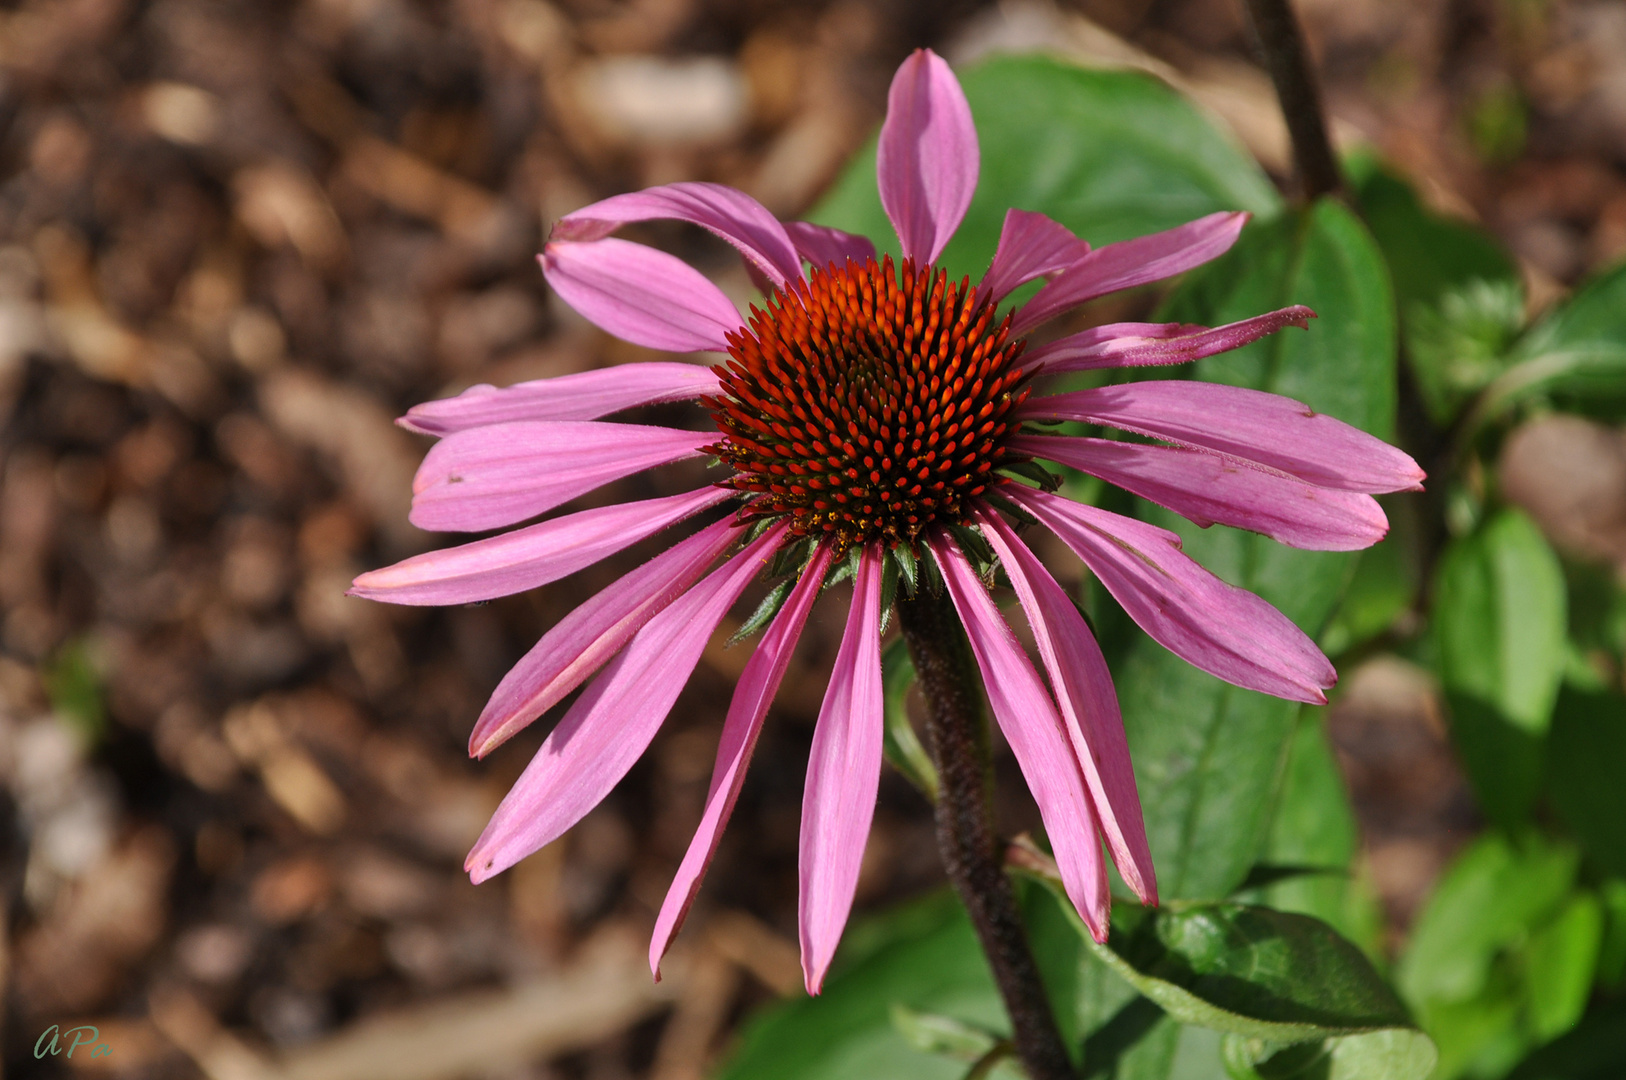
864, 410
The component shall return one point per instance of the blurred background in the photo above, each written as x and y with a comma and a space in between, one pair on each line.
237, 239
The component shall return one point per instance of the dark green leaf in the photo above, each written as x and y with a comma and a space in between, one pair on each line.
763, 615
1595, 1050
1208, 755
1109, 154
1265, 975
1382, 588
1427, 253
1586, 752
930, 1033
899, 742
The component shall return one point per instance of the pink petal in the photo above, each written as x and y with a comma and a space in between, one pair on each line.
592, 633
732, 215
1272, 430
641, 295
927, 160
822, 246
1155, 344
585, 396
1030, 246
526, 558
1028, 718
843, 776
1207, 487
613, 721
1089, 704
758, 684
1132, 262
1226, 631
488, 477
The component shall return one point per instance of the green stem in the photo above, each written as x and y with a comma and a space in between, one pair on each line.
965, 828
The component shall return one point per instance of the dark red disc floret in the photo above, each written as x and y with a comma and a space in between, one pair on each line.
863, 405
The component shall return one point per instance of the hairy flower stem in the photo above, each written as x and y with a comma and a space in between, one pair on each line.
1300, 94
965, 828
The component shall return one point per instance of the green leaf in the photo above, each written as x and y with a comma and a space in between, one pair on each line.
74, 687
899, 742
1269, 976
1208, 755
923, 957
1109, 154
1579, 350
1382, 588
1500, 614
1427, 253
1561, 960
1595, 1050
1585, 753
1499, 619
1612, 951
930, 1033
1489, 899
763, 615
1314, 826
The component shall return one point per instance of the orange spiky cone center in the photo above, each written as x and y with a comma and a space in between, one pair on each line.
863, 405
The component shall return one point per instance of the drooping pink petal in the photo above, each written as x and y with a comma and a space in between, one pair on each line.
641, 295
843, 776
1089, 704
1226, 631
1155, 344
730, 214
1270, 429
1028, 719
755, 691
587, 395
927, 161
526, 558
1209, 488
822, 245
613, 721
575, 647
1132, 262
487, 477
1030, 246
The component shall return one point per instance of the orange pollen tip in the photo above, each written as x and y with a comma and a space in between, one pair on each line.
865, 360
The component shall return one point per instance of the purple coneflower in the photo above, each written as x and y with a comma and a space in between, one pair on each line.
871, 414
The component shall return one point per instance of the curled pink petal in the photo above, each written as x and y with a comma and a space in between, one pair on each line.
823, 246
1028, 719
730, 214
758, 684
1226, 631
927, 161
1155, 344
575, 647
1209, 488
843, 776
1089, 704
1030, 246
587, 395
611, 724
641, 295
526, 558
490, 476
1272, 430
1132, 262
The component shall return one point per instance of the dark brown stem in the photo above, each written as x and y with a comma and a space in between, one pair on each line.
1282, 41
965, 826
